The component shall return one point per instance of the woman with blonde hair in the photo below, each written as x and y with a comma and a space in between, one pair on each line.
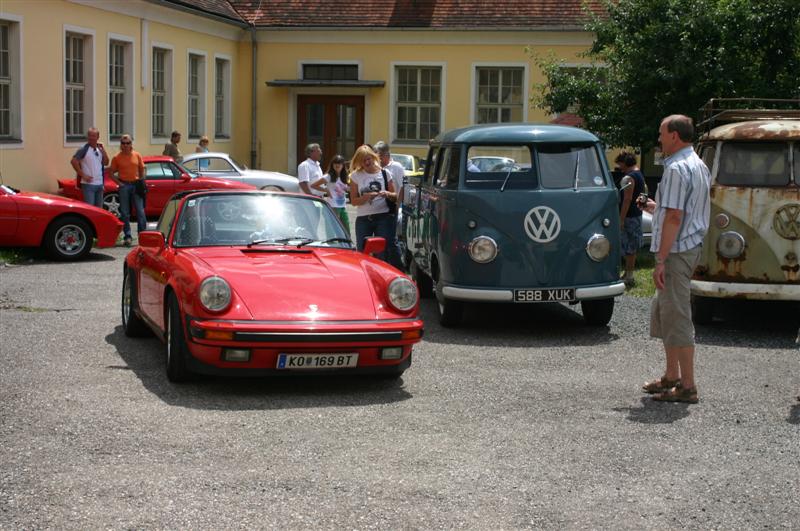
372, 193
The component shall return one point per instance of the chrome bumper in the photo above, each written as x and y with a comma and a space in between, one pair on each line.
507, 295
742, 290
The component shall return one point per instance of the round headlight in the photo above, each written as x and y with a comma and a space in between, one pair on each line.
598, 247
483, 249
722, 221
215, 294
402, 294
730, 244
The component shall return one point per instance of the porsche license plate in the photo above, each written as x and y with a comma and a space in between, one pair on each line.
334, 360
544, 295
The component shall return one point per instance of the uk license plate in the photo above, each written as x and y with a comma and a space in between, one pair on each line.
334, 360
544, 295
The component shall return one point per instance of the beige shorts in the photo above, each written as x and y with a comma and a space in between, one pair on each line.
671, 311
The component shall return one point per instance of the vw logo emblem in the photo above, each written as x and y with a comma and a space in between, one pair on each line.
542, 224
787, 222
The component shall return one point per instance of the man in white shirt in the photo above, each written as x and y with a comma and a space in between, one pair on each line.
397, 173
88, 163
309, 171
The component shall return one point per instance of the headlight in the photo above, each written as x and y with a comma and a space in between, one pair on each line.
730, 244
483, 249
215, 294
402, 294
598, 247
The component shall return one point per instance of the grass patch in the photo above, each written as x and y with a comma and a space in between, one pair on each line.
14, 255
645, 263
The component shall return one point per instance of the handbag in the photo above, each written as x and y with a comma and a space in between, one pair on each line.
391, 203
140, 187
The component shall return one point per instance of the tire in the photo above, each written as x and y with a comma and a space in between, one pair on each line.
112, 204
424, 282
132, 324
597, 312
702, 310
177, 350
68, 238
395, 374
451, 312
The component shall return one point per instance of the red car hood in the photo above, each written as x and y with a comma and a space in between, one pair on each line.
51, 199
289, 284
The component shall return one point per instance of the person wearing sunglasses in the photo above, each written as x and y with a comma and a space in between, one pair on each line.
127, 167
88, 163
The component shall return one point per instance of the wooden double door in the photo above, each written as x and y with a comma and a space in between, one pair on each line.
336, 123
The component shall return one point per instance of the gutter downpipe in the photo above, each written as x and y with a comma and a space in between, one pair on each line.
253, 137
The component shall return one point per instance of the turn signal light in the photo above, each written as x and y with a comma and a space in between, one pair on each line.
412, 334
218, 335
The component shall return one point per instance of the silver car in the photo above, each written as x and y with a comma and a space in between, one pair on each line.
224, 166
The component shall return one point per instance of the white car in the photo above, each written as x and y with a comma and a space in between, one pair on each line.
647, 229
223, 166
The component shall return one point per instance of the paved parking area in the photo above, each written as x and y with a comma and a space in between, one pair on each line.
524, 418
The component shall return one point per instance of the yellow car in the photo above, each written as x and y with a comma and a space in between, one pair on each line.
411, 164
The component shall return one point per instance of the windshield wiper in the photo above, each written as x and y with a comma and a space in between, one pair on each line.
280, 241
577, 167
505, 181
329, 240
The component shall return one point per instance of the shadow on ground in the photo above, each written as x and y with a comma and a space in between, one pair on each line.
652, 412
145, 357
756, 324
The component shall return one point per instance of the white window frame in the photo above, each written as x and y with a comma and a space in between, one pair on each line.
393, 100
225, 134
473, 108
169, 90
15, 137
201, 96
89, 76
128, 101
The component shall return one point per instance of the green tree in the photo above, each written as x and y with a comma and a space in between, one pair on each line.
651, 58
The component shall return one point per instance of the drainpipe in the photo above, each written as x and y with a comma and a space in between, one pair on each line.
253, 137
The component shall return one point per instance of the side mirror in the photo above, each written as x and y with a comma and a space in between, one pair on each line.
372, 246
152, 239
185, 177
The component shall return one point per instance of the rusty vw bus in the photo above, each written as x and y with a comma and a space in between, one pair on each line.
753, 242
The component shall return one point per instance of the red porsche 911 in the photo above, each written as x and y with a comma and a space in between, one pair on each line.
253, 283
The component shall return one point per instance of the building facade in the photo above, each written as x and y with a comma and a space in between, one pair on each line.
262, 82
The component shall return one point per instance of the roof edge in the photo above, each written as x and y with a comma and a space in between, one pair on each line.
186, 7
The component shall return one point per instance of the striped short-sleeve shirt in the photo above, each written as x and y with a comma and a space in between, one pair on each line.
685, 187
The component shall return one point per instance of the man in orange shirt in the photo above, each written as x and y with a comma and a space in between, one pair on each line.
127, 167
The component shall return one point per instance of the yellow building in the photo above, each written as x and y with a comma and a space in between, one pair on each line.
263, 79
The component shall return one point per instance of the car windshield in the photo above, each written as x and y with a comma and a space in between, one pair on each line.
405, 160
754, 164
496, 167
570, 166
257, 219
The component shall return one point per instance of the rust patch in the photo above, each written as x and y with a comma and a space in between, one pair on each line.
758, 130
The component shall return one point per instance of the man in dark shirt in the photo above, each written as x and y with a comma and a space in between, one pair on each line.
630, 215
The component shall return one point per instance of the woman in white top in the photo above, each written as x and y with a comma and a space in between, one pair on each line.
370, 189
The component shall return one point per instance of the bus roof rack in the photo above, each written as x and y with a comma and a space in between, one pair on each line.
719, 111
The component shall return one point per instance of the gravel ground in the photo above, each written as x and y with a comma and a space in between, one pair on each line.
523, 418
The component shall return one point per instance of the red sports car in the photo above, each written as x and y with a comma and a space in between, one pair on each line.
266, 282
163, 177
64, 227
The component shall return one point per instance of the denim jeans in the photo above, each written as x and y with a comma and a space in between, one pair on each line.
380, 225
93, 194
127, 194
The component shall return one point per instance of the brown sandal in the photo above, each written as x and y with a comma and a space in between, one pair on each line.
678, 394
660, 385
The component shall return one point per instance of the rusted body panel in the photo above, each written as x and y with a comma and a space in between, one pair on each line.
756, 130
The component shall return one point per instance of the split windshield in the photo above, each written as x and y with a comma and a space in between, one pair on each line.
552, 166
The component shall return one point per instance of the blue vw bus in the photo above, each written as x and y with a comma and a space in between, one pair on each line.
516, 213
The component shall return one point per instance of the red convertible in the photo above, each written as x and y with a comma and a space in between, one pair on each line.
64, 227
252, 283
163, 177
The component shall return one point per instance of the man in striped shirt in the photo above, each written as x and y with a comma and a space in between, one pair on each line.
680, 222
